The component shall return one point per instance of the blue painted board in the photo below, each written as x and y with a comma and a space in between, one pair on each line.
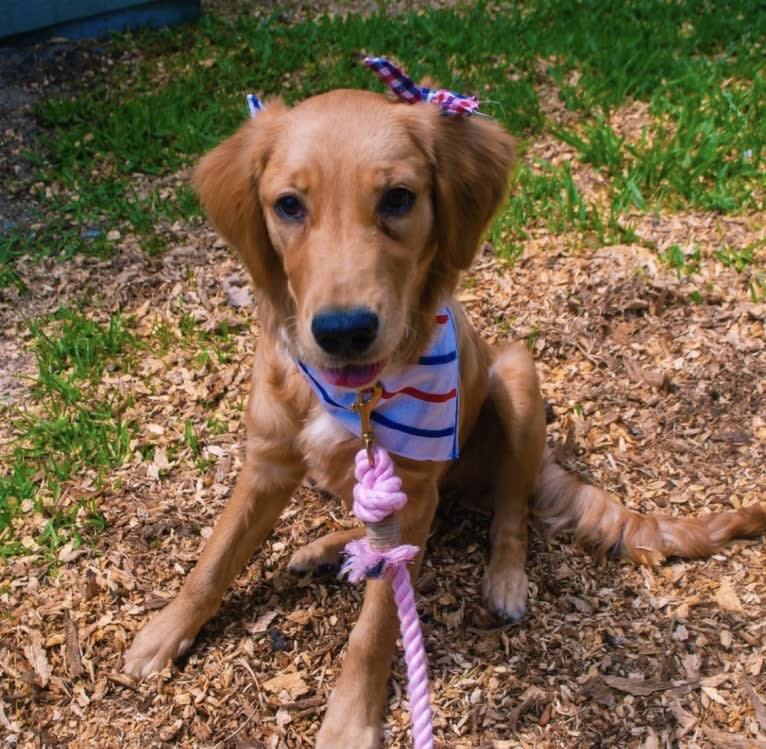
32, 20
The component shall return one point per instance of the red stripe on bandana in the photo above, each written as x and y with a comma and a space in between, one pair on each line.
422, 395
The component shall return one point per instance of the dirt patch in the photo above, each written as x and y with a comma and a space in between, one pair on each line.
30, 73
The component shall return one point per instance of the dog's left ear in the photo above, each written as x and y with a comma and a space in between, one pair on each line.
472, 158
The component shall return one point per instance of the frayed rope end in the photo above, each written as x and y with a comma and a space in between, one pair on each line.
362, 561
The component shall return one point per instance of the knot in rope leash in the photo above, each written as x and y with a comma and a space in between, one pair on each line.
377, 497
377, 493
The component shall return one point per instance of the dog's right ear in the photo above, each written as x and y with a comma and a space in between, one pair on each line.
226, 181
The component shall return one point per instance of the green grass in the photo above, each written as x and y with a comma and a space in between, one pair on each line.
682, 262
176, 93
739, 259
69, 430
78, 348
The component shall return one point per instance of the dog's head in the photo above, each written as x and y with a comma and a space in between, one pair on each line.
354, 215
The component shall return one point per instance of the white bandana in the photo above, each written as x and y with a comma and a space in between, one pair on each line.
417, 415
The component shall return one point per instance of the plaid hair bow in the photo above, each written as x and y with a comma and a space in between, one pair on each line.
405, 89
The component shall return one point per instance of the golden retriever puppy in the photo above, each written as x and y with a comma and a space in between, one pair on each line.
355, 215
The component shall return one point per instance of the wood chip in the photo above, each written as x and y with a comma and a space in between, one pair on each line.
35, 653
73, 655
727, 599
686, 721
292, 683
758, 705
723, 740
123, 680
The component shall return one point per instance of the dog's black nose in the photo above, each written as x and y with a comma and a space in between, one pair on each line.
345, 333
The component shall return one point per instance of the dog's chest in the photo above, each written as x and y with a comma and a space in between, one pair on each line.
329, 450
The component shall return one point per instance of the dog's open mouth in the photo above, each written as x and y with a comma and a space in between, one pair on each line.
352, 376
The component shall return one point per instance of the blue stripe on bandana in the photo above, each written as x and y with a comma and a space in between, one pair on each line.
414, 431
438, 359
314, 382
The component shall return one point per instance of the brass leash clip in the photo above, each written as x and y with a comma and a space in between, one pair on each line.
366, 400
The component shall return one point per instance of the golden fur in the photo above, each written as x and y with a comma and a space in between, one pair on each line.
339, 152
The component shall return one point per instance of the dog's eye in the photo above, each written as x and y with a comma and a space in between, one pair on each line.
290, 208
396, 202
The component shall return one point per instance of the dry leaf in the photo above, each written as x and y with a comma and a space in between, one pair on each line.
654, 378
727, 599
532, 696
692, 663
201, 730
715, 680
262, 623
685, 719
4, 722
36, 656
292, 683
123, 680
637, 687
159, 463
168, 733
714, 695
652, 741
68, 554
723, 740
300, 616
597, 690
73, 655
757, 703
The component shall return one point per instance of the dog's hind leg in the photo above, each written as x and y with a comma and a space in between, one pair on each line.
323, 555
515, 397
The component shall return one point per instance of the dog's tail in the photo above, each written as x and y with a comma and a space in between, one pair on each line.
601, 525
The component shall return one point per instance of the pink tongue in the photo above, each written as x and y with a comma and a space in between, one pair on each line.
351, 376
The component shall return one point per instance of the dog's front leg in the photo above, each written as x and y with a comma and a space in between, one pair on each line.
353, 718
250, 514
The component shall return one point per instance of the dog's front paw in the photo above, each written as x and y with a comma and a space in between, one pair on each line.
353, 717
505, 592
348, 733
161, 640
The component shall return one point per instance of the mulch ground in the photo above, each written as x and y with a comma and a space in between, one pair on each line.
655, 397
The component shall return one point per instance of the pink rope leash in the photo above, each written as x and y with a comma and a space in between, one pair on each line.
377, 496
